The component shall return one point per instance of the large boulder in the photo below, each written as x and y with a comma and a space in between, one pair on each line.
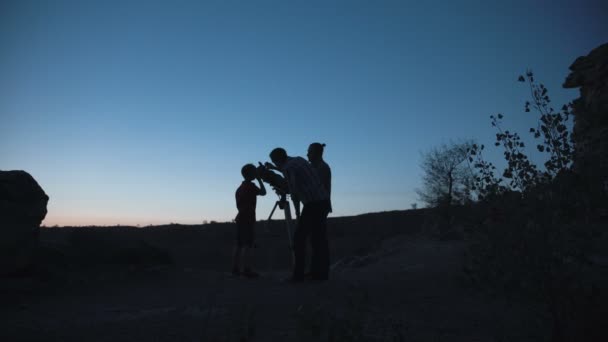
590, 133
22, 209
590, 74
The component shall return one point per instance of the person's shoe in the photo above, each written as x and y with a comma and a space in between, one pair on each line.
250, 274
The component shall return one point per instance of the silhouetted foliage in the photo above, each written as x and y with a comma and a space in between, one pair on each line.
521, 174
536, 239
552, 127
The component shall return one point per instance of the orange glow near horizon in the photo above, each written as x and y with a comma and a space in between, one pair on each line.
77, 221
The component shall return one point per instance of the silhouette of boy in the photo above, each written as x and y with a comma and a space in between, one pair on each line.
246, 200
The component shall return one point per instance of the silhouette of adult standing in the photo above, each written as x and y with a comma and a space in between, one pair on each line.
305, 186
315, 156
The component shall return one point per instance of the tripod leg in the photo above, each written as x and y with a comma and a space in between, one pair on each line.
273, 209
266, 230
289, 231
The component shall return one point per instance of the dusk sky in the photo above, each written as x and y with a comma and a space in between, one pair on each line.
144, 112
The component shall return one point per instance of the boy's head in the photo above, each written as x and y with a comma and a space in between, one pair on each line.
249, 172
315, 151
278, 156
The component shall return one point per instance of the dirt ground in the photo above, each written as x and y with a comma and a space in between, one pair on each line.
409, 289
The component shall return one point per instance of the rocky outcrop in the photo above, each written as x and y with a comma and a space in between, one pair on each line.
22, 209
590, 74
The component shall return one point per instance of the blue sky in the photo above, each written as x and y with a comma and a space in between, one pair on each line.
143, 112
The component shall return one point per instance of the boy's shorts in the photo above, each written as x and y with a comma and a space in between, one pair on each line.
245, 234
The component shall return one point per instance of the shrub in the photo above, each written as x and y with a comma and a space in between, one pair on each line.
536, 237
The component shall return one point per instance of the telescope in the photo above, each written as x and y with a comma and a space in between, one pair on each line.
279, 185
276, 181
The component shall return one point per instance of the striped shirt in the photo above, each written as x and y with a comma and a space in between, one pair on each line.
303, 181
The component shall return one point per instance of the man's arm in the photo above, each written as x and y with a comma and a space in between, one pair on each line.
296, 206
328, 175
293, 190
262, 188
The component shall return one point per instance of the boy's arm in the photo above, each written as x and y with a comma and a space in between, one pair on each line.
270, 166
262, 188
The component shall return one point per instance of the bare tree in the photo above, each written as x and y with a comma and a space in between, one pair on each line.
447, 177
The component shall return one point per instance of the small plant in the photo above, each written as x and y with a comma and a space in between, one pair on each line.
552, 128
521, 175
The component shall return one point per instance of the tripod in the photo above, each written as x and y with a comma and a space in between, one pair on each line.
283, 203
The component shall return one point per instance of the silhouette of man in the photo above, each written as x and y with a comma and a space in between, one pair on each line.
315, 156
246, 200
305, 186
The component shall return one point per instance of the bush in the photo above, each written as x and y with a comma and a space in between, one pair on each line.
537, 235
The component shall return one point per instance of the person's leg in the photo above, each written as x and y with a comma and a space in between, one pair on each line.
320, 246
299, 243
247, 261
244, 258
236, 260
248, 255
324, 245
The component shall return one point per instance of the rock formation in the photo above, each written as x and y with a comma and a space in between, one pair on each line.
22, 209
590, 74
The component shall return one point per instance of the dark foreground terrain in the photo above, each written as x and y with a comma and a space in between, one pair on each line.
391, 281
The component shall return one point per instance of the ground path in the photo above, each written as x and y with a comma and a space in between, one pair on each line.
410, 289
